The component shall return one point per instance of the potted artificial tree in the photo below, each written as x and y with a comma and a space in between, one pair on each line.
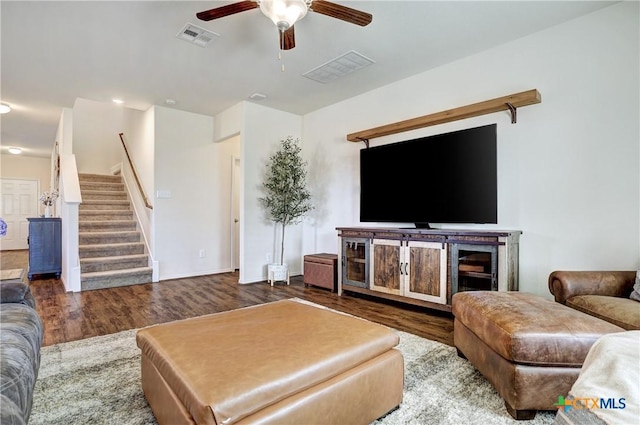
286, 199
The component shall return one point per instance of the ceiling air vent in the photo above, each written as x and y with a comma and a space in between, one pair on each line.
338, 67
196, 35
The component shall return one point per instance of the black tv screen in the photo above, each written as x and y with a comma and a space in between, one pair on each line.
446, 178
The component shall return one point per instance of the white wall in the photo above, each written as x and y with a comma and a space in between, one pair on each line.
568, 170
96, 144
228, 123
263, 128
193, 218
139, 137
64, 133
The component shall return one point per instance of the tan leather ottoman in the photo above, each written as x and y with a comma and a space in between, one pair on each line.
284, 362
531, 349
321, 270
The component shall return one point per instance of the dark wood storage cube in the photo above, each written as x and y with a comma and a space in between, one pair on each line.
321, 270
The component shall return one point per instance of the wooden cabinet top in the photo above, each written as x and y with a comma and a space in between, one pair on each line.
409, 232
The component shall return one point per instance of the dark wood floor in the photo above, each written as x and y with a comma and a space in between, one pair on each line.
70, 316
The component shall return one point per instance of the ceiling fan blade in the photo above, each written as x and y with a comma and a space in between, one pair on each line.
341, 12
287, 39
230, 9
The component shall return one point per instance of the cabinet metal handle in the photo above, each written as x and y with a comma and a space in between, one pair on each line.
401, 263
406, 272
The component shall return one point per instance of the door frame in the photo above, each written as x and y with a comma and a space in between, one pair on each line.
236, 183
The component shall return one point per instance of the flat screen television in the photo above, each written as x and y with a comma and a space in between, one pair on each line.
446, 178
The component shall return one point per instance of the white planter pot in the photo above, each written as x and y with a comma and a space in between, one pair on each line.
277, 272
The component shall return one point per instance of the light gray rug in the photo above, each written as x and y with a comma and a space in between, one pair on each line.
97, 381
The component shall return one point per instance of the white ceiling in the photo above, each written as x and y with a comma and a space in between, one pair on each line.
53, 52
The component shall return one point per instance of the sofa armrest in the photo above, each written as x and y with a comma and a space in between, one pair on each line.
566, 284
16, 292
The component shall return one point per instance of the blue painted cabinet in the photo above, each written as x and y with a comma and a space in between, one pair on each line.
45, 248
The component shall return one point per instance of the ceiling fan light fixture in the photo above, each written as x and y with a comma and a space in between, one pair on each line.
284, 13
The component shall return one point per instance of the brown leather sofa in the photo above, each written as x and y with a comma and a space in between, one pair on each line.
602, 294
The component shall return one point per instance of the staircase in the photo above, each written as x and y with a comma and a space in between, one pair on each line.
111, 253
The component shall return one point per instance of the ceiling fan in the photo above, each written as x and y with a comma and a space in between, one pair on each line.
285, 13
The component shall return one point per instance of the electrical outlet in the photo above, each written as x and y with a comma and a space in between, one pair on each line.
202, 253
268, 258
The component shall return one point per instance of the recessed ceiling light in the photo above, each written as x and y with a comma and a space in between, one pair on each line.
118, 101
4, 108
170, 102
15, 151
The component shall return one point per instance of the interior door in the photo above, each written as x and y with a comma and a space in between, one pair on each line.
18, 200
235, 213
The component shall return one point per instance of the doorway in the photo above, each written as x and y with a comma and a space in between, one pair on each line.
236, 183
18, 200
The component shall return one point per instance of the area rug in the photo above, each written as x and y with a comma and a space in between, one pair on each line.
97, 381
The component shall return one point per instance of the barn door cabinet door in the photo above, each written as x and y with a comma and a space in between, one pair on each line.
386, 265
415, 269
426, 277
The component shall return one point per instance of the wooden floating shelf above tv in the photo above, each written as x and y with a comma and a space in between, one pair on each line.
505, 103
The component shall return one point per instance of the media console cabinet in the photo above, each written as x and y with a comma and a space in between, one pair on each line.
426, 267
